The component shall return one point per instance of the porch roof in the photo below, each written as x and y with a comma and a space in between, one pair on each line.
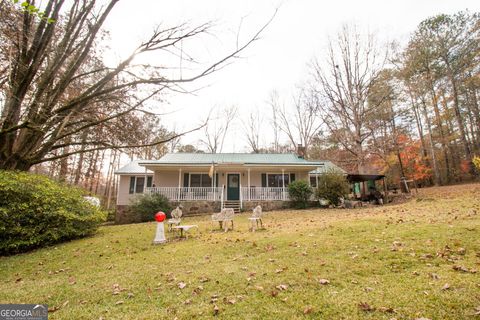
133, 168
236, 159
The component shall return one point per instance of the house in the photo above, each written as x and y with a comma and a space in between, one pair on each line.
205, 182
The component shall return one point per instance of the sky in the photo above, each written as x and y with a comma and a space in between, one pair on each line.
278, 61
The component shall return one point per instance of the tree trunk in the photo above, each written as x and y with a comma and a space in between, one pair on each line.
432, 148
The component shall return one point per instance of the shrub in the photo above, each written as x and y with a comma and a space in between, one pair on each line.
145, 206
300, 192
332, 185
36, 211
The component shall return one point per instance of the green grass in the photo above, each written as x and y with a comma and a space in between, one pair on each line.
390, 257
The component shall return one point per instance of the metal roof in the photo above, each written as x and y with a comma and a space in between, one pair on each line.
133, 168
231, 158
328, 166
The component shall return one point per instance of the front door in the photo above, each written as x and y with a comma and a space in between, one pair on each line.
233, 186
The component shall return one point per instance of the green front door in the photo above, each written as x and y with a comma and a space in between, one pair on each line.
233, 186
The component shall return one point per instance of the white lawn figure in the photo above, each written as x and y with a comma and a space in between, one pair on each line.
256, 218
222, 217
176, 218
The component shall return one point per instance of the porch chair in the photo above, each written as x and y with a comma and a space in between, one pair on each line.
256, 218
222, 217
176, 218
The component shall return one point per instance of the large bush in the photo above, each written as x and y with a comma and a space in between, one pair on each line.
300, 193
36, 211
332, 185
145, 206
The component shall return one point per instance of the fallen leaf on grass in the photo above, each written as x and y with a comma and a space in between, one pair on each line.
182, 285
71, 280
446, 286
274, 293
53, 309
119, 302
386, 309
308, 310
323, 281
188, 301
434, 276
460, 268
365, 307
282, 287
216, 310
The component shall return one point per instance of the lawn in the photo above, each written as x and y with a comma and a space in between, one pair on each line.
405, 261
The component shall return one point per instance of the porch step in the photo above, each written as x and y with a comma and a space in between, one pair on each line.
235, 205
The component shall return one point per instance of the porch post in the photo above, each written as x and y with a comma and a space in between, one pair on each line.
283, 184
248, 184
214, 183
316, 177
179, 183
145, 182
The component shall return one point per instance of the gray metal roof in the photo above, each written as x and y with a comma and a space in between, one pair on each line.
231, 158
328, 166
133, 168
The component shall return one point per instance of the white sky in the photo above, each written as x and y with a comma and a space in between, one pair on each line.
277, 62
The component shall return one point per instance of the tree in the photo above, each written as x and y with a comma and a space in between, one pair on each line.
216, 131
56, 80
252, 129
303, 124
343, 85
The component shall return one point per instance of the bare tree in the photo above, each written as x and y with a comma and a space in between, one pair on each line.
274, 102
252, 129
56, 79
215, 131
303, 124
352, 66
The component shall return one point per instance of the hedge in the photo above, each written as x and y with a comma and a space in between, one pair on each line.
36, 211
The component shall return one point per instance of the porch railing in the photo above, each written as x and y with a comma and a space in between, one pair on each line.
188, 193
261, 193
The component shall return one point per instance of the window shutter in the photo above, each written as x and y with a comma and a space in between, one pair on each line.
292, 177
216, 179
132, 185
185, 180
149, 182
264, 180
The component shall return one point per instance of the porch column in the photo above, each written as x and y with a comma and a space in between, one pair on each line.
283, 184
179, 183
214, 183
248, 184
145, 182
316, 178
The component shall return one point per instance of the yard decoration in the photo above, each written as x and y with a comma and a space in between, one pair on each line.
160, 235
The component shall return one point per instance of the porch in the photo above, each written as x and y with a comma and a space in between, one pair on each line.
220, 193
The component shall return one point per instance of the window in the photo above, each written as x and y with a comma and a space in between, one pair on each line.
200, 180
137, 184
275, 180
313, 181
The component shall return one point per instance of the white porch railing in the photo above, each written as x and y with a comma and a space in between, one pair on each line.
260, 193
188, 193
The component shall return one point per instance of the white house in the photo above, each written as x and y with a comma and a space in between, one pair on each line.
204, 182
